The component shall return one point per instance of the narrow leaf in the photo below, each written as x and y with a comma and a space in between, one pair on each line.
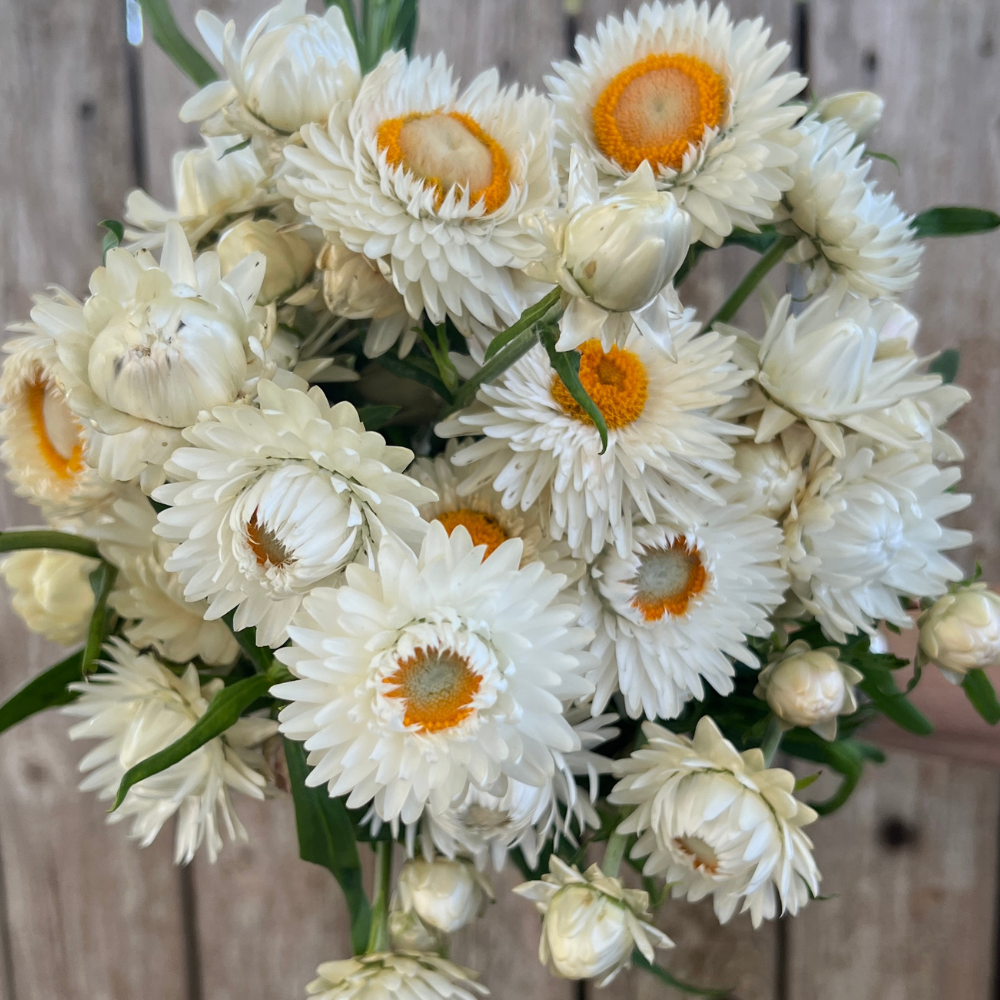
808, 780
946, 365
886, 158
954, 221
979, 690
222, 712
235, 149
326, 838
494, 368
112, 238
893, 704
669, 979
102, 580
374, 417
567, 366
47, 690
530, 316
170, 38
12, 541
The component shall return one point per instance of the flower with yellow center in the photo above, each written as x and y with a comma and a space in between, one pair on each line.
429, 184
540, 446
675, 611
453, 677
684, 89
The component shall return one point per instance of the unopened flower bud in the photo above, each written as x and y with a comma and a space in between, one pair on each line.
354, 287
961, 631
445, 894
407, 932
860, 109
290, 259
623, 250
809, 688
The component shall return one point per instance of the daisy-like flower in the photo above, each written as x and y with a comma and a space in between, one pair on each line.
44, 444
864, 533
430, 184
694, 95
591, 923
271, 502
291, 69
433, 673
153, 347
831, 368
661, 439
402, 975
676, 609
846, 226
486, 825
139, 708
716, 822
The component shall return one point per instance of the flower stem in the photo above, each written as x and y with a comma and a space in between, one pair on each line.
614, 853
378, 938
731, 306
11, 541
772, 740
530, 316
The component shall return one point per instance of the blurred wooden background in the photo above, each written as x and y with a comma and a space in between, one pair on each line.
911, 863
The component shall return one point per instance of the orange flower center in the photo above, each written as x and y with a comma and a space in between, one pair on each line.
668, 580
703, 858
615, 381
437, 687
656, 109
484, 528
265, 545
58, 434
448, 150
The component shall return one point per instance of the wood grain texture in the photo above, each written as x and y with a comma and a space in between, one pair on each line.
911, 865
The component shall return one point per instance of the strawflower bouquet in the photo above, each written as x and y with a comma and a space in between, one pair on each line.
387, 475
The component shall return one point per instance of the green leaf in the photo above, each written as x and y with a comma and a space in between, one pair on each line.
411, 368
979, 690
326, 838
880, 686
495, 367
260, 656
12, 541
374, 417
669, 979
809, 779
759, 242
530, 316
222, 712
235, 149
162, 26
886, 158
102, 580
846, 757
47, 690
567, 366
112, 238
946, 365
954, 221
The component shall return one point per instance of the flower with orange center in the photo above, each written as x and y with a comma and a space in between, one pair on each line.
615, 380
483, 528
668, 580
436, 686
658, 108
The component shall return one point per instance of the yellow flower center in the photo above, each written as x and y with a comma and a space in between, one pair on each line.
58, 434
448, 150
616, 381
437, 687
703, 858
668, 580
657, 108
265, 545
484, 528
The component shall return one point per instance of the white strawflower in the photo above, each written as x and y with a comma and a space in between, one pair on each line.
591, 923
44, 444
210, 184
845, 226
662, 440
139, 708
291, 69
290, 259
271, 502
715, 822
860, 110
865, 533
51, 592
809, 688
694, 95
402, 975
676, 609
455, 673
430, 183
446, 894
770, 473
831, 368
961, 631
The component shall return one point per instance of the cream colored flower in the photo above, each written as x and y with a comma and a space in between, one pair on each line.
861, 110
407, 932
51, 592
591, 923
404, 975
961, 631
771, 473
446, 894
290, 259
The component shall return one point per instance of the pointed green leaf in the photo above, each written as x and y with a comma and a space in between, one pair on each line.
954, 221
326, 838
979, 690
235, 149
809, 779
671, 980
102, 580
374, 417
12, 541
531, 315
946, 365
47, 690
567, 366
886, 157
162, 26
880, 686
112, 238
494, 368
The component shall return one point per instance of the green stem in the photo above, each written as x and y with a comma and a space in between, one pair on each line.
12, 541
529, 317
614, 853
378, 938
731, 306
103, 581
772, 740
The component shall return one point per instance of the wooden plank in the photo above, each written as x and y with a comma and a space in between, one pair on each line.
911, 865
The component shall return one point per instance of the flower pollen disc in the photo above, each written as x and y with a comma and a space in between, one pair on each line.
615, 380
437, 686
668, 579
57, 432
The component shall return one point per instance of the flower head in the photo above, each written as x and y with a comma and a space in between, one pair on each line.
446, 894
961, 631
289, 257
860, 110
402, 975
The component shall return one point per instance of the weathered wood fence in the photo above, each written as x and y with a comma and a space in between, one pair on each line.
911, 862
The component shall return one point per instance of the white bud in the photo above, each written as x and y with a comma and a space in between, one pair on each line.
354, 287
586, 933
446, 895
809, 688
407, 932
768, 478
52, 592
860, 109
961, 631
290, 259
624, 250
